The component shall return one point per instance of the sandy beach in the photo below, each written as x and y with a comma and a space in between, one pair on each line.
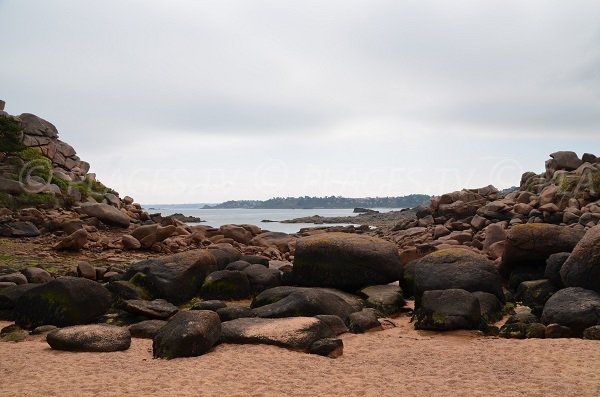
397, 361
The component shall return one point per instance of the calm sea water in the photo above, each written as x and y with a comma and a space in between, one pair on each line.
218, 217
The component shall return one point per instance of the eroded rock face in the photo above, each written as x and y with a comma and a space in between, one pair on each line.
90, 338
187, 334
293, 332
582, 268
345, 261
62, 302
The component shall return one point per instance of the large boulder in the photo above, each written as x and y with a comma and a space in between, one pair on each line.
187, 334
294, 333
345, 261
582, 268
62, 302
573, 307
456, 268
566, 160
90, 338
225, 284
530, 245
297, 301
106, 214
9, 297
444, 310
176, 278
34, 125
554, 264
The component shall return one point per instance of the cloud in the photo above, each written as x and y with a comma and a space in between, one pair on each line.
348, 81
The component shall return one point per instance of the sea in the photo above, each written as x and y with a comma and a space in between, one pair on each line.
217, 217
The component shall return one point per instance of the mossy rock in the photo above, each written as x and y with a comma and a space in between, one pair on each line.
62, 302
225, 284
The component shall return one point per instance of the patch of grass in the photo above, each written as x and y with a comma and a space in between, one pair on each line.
45, 200
63, 185
36, 164
11, 135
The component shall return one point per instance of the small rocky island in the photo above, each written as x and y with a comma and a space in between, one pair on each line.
91, 269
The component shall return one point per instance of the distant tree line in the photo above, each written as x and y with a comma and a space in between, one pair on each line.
326, 202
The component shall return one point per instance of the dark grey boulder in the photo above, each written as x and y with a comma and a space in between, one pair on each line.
535, 294
294, 333
124, 290
449, 309
363, 321
225, 284
261, 277
582, 268
224, 254
237, 265
592, 333
328, 347
489, 305
62, 302
556, 331
176, 278
187, 334
232, 312
574, 307
9, 297
146, 329
18, 229
213, 305
158, 309
530, 245
345, 261
456, 268
290, 301
90, 338
553, 265
386, 299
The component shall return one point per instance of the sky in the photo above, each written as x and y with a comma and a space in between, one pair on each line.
205, 101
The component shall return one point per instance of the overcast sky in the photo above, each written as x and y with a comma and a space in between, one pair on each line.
204, 101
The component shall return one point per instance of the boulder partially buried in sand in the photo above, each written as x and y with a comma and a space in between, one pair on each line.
293, 332
447, 310
187, 334
90, 338
345, 261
